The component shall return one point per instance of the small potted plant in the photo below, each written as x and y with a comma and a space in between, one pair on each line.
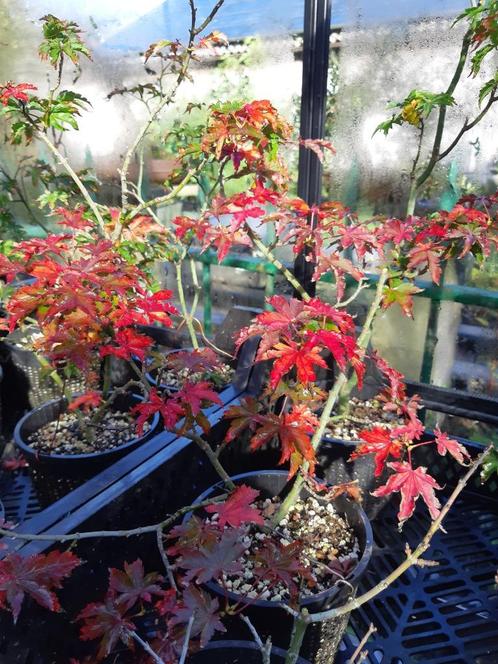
83, 305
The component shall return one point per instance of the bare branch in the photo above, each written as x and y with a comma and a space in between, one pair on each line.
265, 648
147, 648
70, 537
164, 558
188, 631
358, 656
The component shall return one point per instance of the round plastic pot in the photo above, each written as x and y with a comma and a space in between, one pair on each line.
70, 465
270, 619
151, 376
236, 652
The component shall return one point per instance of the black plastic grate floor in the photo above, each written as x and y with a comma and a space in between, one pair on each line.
19, 496
446, 614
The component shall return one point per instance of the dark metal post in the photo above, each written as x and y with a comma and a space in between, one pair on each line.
316, 46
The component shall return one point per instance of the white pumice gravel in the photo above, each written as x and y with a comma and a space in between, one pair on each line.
362, 415
63, 436
328, 542
173, 378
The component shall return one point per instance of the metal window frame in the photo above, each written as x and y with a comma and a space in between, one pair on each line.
316, 50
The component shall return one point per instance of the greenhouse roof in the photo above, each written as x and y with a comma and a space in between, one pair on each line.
242, 18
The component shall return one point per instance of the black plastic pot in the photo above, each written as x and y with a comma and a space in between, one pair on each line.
151, 376
236, 652
71, 465
270, 619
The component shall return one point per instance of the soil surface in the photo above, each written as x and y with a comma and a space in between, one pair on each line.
329, 550
64, 435
173, 378
362, 415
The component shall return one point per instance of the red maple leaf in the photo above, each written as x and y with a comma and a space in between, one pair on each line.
293, 430
168, 602
87, 401
359, 237
15, 91
341, 346
282, 563
243, 416
195, 395
426, 256
321, 310
131, 585
191, 535
411, 483
36, 575
215, 38
129, 344
9, 268
169, 409
207, 563
205, 610
262, 194
396, 231
339, 266
14, 463
378, 441
237, 509
108, 623
291, 355
317, 145
73, 218
446, 444
195, 361
397, 387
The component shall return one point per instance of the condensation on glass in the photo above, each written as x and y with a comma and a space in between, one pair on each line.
262, 61
380, 51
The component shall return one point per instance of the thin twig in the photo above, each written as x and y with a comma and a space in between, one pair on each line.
164, 558
265, 648
210, 343
355, 657
147, 648
160, 200
92, 534
84, 191
186, 642
260, 245
362, 284
467, 126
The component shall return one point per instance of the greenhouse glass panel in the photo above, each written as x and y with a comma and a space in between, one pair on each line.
380, 54
262, 59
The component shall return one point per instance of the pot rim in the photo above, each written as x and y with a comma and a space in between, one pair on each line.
357, 571
30, 452
173, 388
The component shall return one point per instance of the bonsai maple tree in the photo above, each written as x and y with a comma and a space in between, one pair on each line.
92, 289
